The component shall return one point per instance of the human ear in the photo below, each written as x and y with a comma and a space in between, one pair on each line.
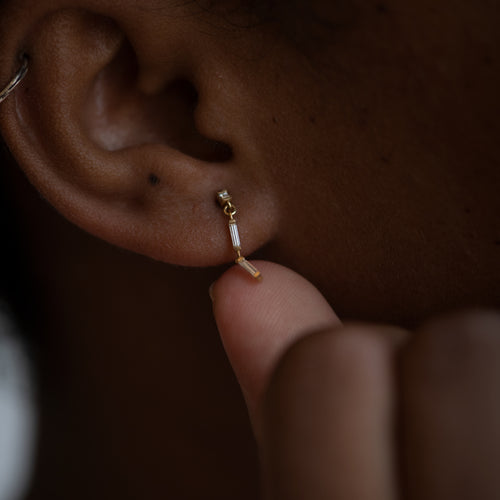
128, 122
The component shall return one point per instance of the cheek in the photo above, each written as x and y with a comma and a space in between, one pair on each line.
369, 180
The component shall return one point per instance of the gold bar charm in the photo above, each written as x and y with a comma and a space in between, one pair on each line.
224, 199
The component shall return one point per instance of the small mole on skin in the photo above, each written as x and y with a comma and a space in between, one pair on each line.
153, 179
274, 120
385, 159
312, 119
496, 242
382, 8
468, 210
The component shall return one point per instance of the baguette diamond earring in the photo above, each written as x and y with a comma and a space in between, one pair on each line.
224, 199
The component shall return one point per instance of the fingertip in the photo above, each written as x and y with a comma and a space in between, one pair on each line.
234, 291
259, 320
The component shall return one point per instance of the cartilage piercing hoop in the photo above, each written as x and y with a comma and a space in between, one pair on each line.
224, 199
21, 73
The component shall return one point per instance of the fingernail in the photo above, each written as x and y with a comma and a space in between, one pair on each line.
211, 291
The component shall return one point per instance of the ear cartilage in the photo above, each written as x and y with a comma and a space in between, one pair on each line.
224, 199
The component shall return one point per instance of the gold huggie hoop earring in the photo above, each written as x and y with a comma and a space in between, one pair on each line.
224, 199
18, 77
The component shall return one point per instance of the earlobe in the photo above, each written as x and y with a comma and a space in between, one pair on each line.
114, 146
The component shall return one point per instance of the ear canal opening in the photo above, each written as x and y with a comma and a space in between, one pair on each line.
118, 115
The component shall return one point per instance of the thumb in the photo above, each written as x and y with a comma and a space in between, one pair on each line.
258, 321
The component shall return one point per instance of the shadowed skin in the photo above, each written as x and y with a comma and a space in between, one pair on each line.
360, 153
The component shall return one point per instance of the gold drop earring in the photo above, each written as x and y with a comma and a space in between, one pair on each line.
224, 199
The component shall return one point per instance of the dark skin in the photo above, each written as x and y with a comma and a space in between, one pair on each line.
362, 154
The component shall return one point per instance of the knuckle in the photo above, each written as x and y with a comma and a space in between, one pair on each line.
356, 353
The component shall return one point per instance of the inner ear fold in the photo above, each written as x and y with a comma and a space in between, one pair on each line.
119, 114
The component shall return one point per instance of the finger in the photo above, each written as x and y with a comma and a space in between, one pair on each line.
451, 409
328, 421
259, 320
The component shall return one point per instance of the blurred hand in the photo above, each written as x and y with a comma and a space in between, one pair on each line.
362, 411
